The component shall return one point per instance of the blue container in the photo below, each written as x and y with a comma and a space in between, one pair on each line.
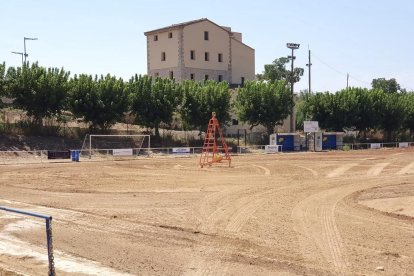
75, 155
286, 141
328, 141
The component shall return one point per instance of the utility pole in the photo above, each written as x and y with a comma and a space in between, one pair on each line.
309, 71
292, 46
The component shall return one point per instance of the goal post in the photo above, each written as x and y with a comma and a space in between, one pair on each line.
118, 144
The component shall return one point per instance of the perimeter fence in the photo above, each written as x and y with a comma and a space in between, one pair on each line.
43, 156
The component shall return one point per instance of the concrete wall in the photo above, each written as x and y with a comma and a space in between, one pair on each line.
193, 39
242, 62
164, 44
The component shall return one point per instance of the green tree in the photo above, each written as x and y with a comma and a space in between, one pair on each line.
408, 101
99, 102
277, 71
39, 91
153, 100
263, 103
317, 108
388, 86
393, 114
2, 79
200, 100
3, 88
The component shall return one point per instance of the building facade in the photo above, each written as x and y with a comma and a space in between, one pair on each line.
199, 50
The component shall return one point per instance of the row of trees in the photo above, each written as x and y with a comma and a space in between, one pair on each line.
103, 101
360, 109
152, 102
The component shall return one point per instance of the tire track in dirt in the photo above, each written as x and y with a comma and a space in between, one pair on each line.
341, 170
363, 214
314, 173
266, 170
315, 220
334, 240
407, 169
236, 215
377, 169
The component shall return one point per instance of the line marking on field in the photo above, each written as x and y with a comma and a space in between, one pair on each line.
376, 169
315, 173
341, 170
266, 170
407, 169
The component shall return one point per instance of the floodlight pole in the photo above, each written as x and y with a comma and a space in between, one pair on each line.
292, 46
24, 42
309, 71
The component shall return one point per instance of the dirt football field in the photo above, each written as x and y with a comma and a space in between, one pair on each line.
328, 213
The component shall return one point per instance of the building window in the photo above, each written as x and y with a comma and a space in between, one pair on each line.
220, 78
206, 56
205, 77
155, 37
242, 80
205, 35
192, 54
163, 56
220, 57
170, 35
191, 76
171, 74
235, 122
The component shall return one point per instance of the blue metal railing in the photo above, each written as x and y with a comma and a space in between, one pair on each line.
49, 238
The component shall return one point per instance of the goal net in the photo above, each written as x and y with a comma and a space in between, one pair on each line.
116, 146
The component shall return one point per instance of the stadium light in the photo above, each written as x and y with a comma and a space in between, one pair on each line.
24, 41
19, 53
292, 46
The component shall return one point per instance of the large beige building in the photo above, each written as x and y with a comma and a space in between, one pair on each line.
199, 50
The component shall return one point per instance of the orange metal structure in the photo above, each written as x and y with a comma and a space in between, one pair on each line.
214, 151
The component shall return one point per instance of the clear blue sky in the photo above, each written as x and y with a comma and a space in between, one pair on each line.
367, 39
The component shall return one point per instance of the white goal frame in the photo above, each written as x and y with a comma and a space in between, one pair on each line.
118, 135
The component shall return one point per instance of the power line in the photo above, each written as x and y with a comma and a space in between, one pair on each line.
338, 71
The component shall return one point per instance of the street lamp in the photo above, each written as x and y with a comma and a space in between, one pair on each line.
24, 41
292, 46
19, 53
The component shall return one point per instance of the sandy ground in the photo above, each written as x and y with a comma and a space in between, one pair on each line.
330, 213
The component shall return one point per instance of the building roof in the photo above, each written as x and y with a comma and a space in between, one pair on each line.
181, 25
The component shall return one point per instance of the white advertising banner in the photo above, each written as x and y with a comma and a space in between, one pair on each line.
375, 145
403, 145
272, 148
122, 152
181, 150
310, 126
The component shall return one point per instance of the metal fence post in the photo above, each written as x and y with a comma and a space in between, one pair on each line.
50, 247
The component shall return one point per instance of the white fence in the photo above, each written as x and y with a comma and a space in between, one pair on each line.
40, 156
